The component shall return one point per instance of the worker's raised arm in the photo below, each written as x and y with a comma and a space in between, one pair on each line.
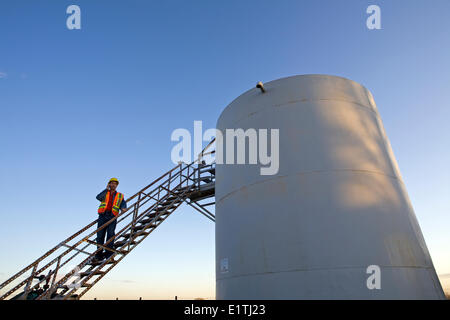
101, 196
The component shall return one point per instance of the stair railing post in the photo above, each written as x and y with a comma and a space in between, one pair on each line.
50, 289
133, 223
170, 178
188, 175
30, 280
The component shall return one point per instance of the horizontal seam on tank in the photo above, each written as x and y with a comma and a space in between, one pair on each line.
324, 99
321, 269
360, 105
309, 172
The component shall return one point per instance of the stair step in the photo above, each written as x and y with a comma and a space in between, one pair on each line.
152, 216
206, 179
160, 208
161, 213
145, 221
141, 233
208, 169
88, 273
146, 224
138, 228
169, 203
126, 235
100, 262
136, 234
121, 243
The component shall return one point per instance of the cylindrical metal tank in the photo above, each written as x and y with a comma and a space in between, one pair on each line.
336, 206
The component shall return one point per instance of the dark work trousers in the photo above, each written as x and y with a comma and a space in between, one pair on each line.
109, 230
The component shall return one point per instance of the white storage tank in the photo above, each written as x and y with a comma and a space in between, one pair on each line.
336, 206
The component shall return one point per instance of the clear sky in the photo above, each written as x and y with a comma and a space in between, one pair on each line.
80, 106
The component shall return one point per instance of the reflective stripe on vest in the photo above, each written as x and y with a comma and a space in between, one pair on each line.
116, 203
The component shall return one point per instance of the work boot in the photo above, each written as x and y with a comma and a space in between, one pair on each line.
107, 255
98, 257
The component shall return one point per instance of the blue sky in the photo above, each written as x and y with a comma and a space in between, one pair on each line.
80, 106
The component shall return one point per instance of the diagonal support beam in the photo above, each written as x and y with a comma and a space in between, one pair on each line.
202, 210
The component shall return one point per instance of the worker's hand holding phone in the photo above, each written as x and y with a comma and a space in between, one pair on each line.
107, 186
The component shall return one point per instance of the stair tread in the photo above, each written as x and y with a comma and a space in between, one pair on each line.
202, 178
96, 263
144, 222
88, 273
121, 243
169, 203
135, 234
162, 208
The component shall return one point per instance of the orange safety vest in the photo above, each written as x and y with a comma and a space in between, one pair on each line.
116, 203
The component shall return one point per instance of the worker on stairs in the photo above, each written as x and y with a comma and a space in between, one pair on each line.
111, 202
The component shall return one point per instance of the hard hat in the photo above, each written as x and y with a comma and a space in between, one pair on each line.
113, 180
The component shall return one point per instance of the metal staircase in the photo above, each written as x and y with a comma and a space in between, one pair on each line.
46, 278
